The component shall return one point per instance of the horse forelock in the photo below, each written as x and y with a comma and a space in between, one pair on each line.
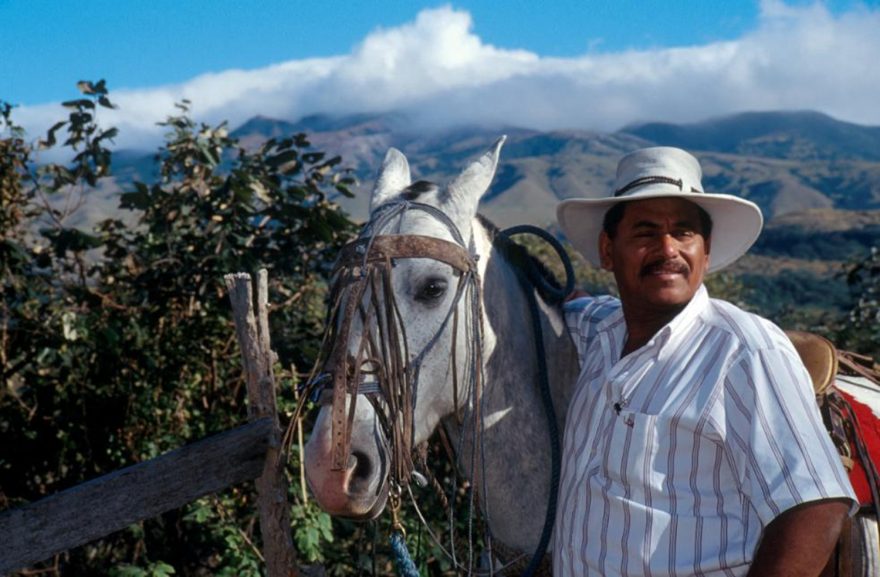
418, 189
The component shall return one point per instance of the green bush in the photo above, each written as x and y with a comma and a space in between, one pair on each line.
117, 344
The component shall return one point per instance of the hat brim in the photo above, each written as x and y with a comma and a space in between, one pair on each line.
736, 223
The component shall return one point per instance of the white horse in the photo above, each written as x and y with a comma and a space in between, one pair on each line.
515, 443
351, 457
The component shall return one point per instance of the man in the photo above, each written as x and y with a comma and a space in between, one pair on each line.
693, 444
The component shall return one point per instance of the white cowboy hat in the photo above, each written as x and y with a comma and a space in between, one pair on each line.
656, 172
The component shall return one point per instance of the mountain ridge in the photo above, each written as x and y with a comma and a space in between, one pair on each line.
815, 178
796, 134
785, 161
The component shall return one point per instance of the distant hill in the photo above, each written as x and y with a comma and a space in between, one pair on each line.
786, 162
800, 135
816, 179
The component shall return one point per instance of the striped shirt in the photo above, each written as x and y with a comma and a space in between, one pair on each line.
678, 455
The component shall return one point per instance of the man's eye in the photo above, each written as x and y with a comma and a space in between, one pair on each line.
431, 290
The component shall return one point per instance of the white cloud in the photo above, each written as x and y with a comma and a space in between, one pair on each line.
437, 69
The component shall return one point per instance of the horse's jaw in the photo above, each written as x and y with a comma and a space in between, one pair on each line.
357, 491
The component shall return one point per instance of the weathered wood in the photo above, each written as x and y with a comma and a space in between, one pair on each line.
252, 329
110, 503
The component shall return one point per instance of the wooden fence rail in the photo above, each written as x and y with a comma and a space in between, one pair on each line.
110, 503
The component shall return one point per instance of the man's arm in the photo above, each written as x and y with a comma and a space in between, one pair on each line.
799, 542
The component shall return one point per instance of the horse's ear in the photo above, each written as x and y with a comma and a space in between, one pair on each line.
393, 178
470, 185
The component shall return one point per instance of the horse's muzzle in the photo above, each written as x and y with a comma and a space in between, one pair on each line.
358, 490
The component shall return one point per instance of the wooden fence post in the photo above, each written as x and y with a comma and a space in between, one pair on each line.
252, 329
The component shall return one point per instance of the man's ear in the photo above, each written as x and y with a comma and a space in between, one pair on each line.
605, 251
707, 242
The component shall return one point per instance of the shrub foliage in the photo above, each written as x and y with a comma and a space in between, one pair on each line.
117, 344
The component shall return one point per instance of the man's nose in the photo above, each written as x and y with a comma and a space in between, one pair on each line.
668, 245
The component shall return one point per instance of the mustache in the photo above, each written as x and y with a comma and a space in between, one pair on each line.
665, 266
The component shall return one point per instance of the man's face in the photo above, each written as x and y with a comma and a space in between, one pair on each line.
658, 254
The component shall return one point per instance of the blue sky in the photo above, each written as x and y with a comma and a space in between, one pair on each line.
50, 44
579, 64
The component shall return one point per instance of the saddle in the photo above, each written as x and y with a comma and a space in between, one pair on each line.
819, 355
854, 555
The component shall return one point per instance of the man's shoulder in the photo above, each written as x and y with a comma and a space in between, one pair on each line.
584, 316
750, 331
594, 307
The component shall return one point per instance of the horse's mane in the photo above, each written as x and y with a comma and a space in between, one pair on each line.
543, 279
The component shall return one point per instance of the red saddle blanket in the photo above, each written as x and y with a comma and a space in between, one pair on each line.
867, 427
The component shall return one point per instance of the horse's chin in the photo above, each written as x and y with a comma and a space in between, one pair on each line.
374, 511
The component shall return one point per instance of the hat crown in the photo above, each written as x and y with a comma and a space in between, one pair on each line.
660, 165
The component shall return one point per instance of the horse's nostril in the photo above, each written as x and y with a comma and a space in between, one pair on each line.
363, 467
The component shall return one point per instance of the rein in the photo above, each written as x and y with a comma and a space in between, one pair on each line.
530, 277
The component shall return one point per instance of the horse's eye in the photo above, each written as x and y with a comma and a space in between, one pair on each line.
431, 290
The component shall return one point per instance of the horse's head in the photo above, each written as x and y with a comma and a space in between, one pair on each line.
399, 354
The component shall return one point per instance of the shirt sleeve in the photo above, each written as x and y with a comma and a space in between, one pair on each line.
583, 314
784, 453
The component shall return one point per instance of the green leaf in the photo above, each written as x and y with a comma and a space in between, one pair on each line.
344, 190
281, 158
127, 571
70, 240
50, 135
86, 87
160, 569
301, 140
136, 200
261, 191
313, 157
79, 103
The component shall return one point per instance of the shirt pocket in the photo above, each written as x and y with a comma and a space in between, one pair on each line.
629, 459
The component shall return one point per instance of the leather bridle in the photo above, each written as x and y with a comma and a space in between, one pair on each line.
382, 369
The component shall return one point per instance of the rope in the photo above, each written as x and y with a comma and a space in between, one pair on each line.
552, 293
402, 559
531, 274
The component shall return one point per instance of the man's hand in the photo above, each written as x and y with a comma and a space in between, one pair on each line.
575, 294
800, 541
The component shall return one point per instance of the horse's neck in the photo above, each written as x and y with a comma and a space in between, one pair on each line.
515, 435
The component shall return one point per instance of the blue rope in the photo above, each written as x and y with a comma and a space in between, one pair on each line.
528, 278
402, 559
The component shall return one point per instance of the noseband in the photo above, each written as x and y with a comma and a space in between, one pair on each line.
383, 369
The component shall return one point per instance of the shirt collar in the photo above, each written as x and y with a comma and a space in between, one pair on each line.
677, 329
672, 333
